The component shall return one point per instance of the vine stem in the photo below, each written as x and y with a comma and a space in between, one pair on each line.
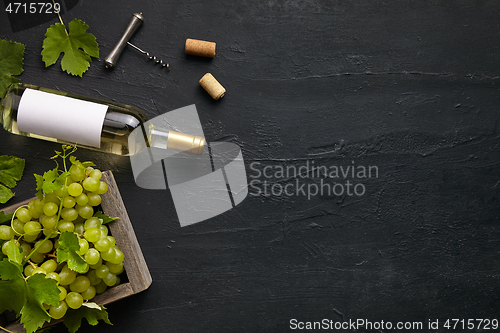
60, 205
60, 18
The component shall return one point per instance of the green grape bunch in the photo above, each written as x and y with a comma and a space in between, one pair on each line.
62, 237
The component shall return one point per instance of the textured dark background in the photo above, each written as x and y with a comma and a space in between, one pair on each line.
411, 87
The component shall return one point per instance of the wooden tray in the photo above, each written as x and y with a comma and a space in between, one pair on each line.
137, 271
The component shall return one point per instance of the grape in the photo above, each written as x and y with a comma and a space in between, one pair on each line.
23, 215
26, 249
61, 191
62, 293
49, 222
79, 229
92, 256
69, 214
84, 246
69, 202
77, 172
102, 271
37, 257
91, 184
92, 222
38, 270
74, 300
53, 276
102, 245
80, 284
50, 232
110, 279
97, 264
104, 232
50, 208
111, 240
118, 257
59, 311
32, 228
38, 205
96, 174
30, 238
6, 232
103, 188
18, 226
92, 234
101, 287
115, 268
89, 293
67, 276
51, 198
109, 254
32, 210
94, 280
28, 270
117, 280
75, 189
85, 211
45, 246
66, 226
82, 199
49, 265
94, 199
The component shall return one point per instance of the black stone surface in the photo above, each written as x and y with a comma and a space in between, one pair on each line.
409, 87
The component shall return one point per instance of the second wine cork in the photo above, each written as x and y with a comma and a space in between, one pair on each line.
212, 86
200, 48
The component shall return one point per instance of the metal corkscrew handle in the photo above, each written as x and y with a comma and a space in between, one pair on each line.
134, 24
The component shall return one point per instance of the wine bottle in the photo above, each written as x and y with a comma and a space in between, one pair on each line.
88, 122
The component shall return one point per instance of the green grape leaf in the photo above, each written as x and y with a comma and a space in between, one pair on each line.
73, 160
12, 287
11, 63
39, 290
14, 252
68, 245
12, 295
77, 45
9, 270
50, 181
104, 218
90, 311
5, 218
5, 194
11, 171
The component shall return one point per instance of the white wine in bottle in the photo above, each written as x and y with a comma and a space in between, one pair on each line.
96, 124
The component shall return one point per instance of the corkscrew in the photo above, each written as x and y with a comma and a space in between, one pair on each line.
134, 24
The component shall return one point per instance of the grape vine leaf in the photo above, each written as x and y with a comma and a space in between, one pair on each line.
5, 218
26, 297
11, 171
68, 245
73, 160
77, 45
105, 219
12, 287
11, 63
14, 252
39, 290
91, 311
49, 182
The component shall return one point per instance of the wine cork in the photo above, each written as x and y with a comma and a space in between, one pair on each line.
212, 86
200, 48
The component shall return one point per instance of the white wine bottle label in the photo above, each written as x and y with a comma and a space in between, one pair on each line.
61, 117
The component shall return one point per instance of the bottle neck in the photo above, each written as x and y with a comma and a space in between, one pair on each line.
167, 139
